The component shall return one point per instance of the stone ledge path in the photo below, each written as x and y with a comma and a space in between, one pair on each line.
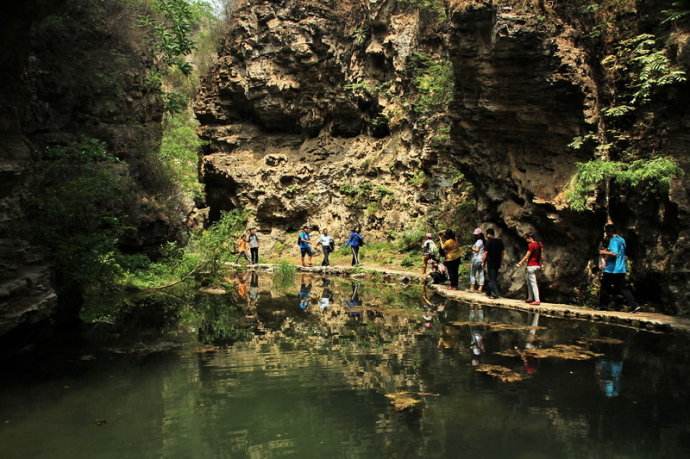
642, 320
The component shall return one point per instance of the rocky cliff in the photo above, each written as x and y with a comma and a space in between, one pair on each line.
73, 73
308, 118
329, 113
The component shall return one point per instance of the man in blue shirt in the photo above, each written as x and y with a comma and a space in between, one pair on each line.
613, 281
304, 243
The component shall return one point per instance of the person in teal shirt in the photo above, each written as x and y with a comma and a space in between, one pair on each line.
613, 282
304, 243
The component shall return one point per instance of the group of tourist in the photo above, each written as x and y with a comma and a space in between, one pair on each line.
486, 256
442, 260
324, 242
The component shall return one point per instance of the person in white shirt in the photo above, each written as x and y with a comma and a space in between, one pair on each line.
327, 244
429, 250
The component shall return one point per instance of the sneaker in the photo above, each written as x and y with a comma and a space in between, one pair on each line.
636, 309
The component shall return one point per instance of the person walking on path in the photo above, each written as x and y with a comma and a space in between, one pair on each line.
253, 240
477, 262
241, 246
355, 241
613, 281
304, 243
429, 250
493, 259
327, 245
452, 253
533, 258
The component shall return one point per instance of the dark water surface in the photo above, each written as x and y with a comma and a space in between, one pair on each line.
311, 370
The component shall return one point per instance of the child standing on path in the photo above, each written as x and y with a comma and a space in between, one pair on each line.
355, 241
428, 250
241, 247
533, 258
477, 263
253, 240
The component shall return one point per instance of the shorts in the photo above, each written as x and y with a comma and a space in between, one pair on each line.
306, 251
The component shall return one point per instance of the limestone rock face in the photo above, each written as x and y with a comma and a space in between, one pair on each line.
296, 130
528, 80
295, 122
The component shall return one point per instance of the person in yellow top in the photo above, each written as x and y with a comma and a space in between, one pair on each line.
241, 246
452, 254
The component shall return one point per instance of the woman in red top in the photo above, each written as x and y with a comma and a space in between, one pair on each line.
533, 260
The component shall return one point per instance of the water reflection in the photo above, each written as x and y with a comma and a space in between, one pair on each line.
312, 382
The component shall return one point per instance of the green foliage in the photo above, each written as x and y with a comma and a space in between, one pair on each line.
284, 274
680, 9
409, 260
419, 179
411, 239
644, 67
365, 192
435, 7
657, 173
82, 205
434, 81
179, 151
86, 149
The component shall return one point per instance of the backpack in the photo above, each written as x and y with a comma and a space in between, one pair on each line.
331, 246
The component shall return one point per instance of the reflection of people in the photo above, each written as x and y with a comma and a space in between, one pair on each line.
609, 369
254, 287
476, 333
241, 284
326, 294
530, 363
608, 374
304, 292
354, 301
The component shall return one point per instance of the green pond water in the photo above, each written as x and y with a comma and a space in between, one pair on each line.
309, 368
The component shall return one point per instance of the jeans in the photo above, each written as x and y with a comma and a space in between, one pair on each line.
532, 286
452, 267
477, 273
326, 252
255, 255
614, 285
492, 283
355, 255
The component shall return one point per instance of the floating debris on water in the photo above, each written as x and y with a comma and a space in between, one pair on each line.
558, 351
403, 401
496, 326
601, 340
213, 290
504, 374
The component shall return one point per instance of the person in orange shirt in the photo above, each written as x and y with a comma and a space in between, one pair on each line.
241, 247
452, 254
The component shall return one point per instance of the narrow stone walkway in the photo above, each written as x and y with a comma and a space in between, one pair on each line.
642, 320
